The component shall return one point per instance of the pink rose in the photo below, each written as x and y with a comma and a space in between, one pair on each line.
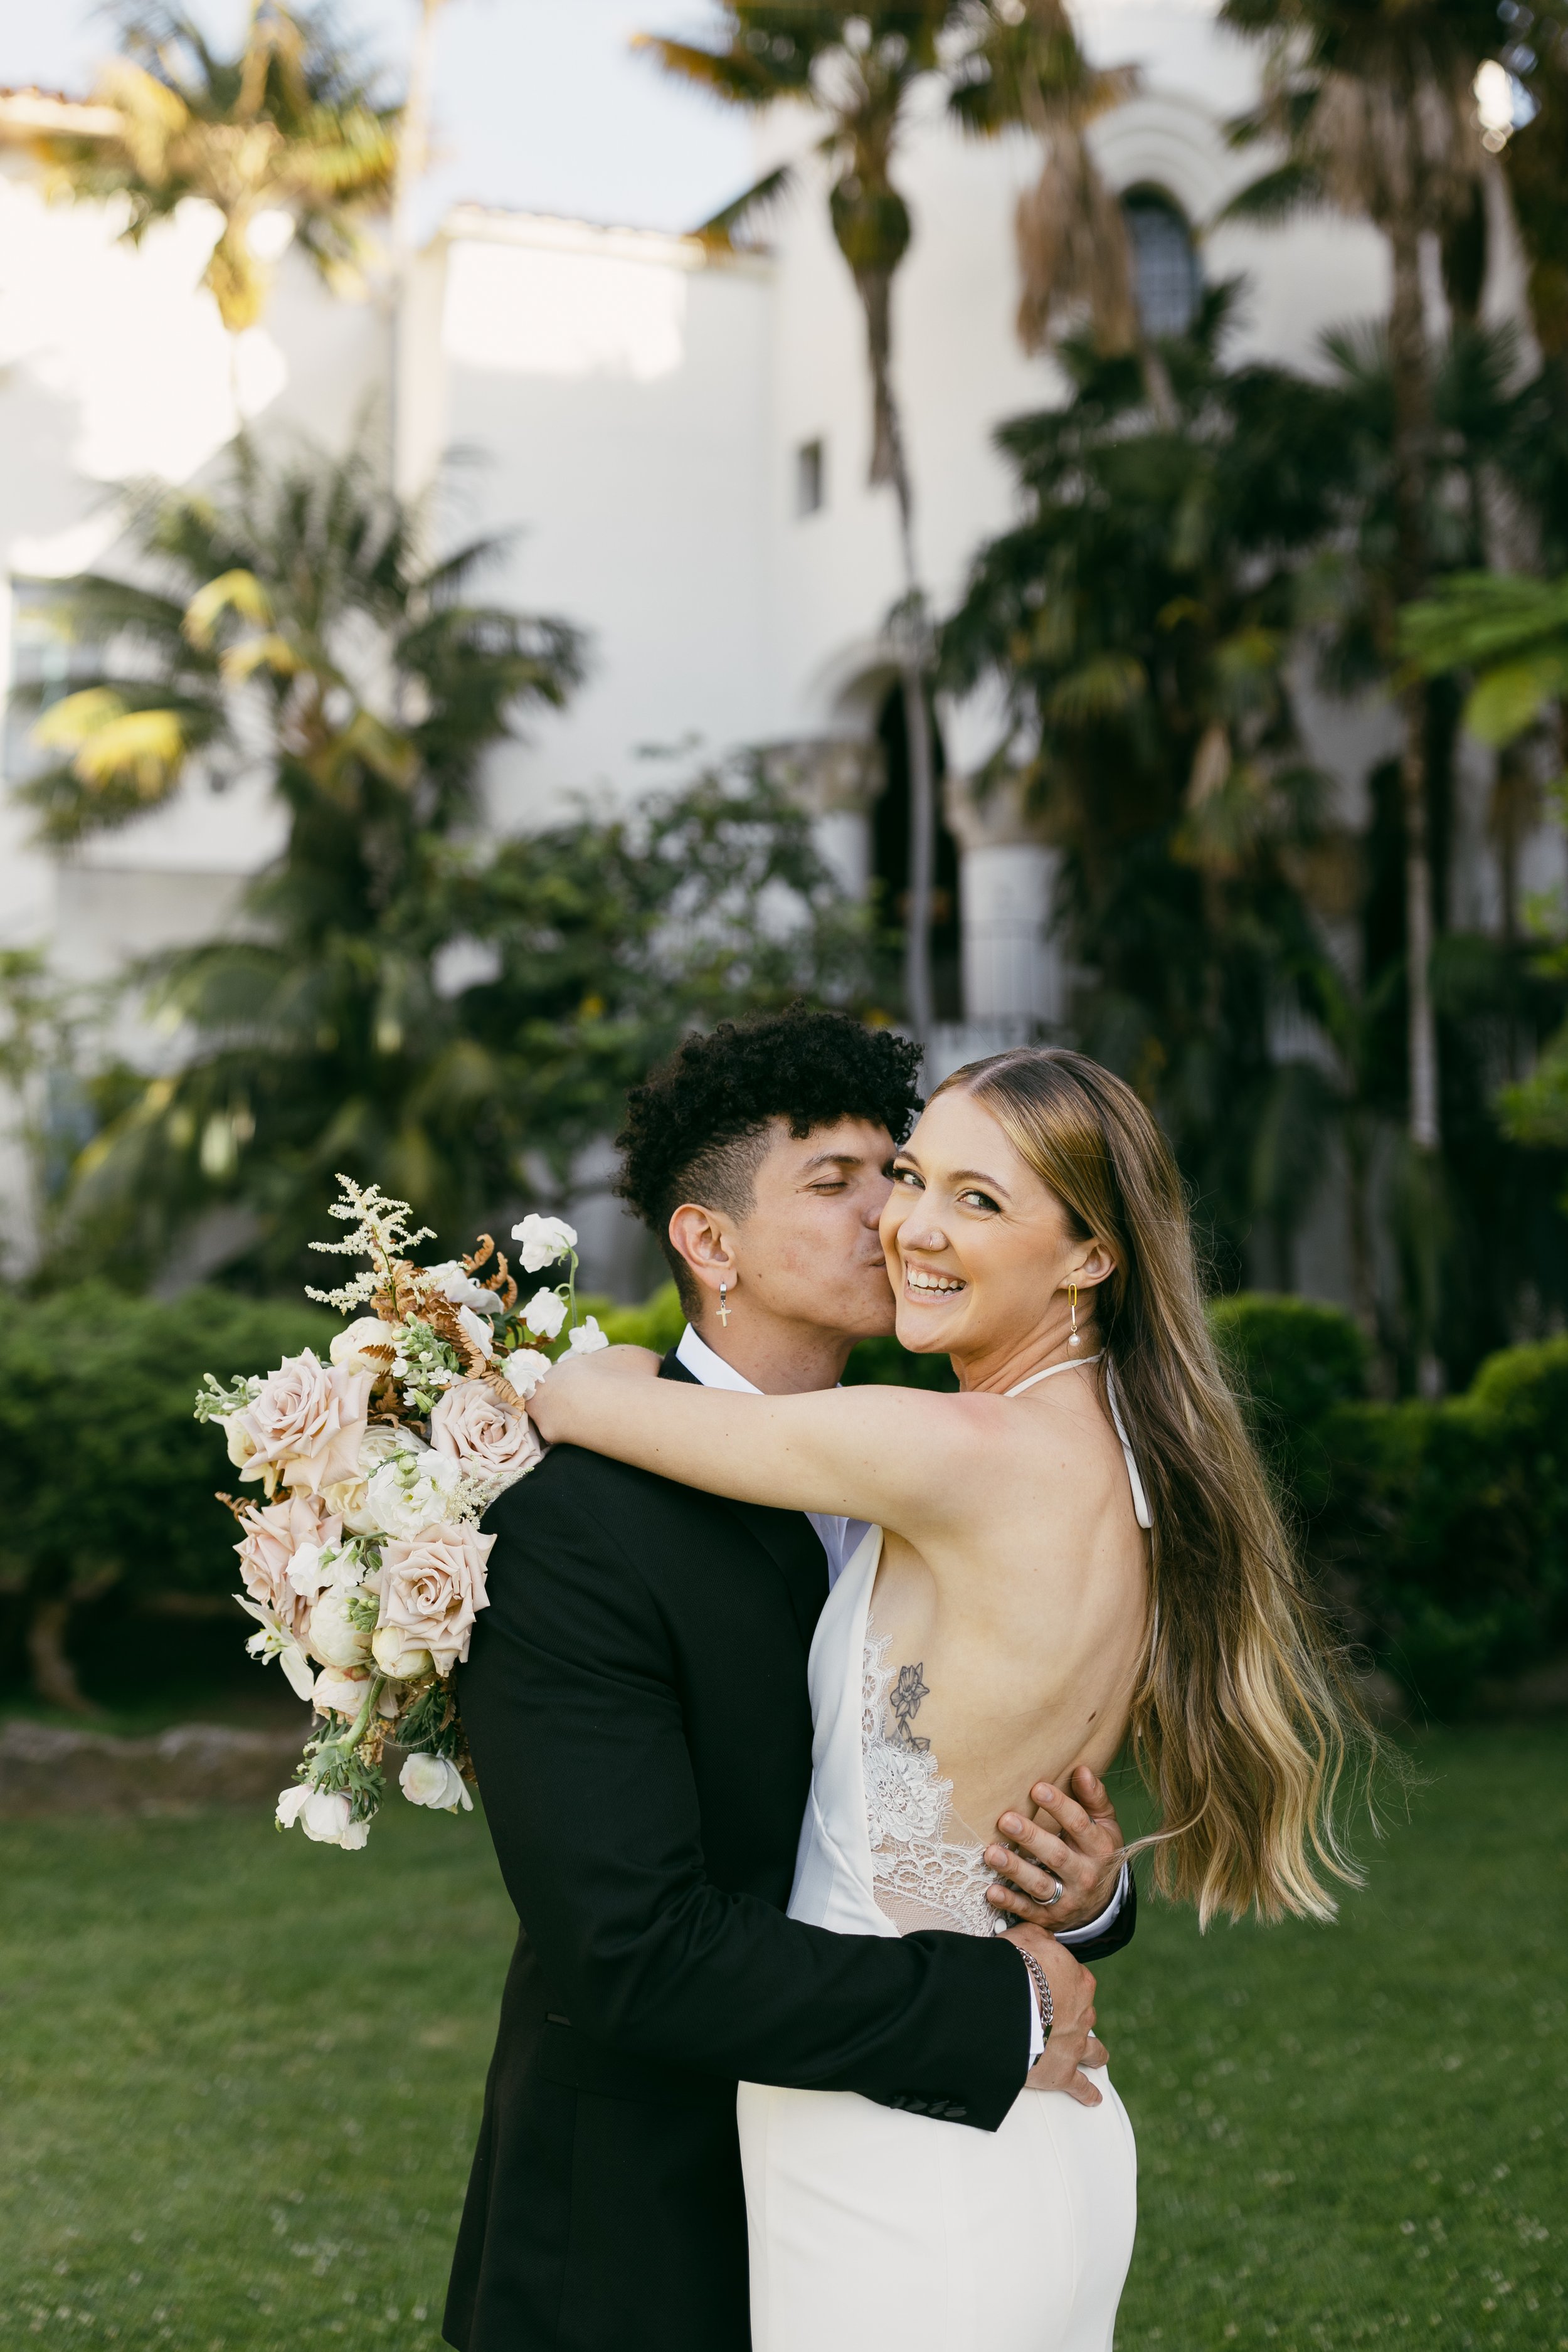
472, 1424
272, 1537
432, 1587
307, 1423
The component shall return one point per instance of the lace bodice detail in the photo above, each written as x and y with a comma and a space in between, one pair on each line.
927, 1868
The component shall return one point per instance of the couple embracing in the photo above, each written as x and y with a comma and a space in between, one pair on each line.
791, 1704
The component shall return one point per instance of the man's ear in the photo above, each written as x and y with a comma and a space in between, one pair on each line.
698, 1236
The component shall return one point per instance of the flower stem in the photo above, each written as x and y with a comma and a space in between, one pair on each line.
345, 1746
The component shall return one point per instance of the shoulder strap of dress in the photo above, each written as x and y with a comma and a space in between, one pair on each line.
1073, 1364
1140, 1499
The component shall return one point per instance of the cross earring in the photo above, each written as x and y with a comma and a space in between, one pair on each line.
724, 1312
1073, 1340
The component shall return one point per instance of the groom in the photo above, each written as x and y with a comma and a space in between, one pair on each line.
636, 1700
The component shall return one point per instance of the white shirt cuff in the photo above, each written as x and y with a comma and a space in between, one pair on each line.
1097, 1927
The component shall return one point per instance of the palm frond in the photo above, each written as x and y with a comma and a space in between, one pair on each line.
1281, 194
719, 231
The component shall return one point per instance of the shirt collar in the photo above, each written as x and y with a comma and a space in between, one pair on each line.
703, 1364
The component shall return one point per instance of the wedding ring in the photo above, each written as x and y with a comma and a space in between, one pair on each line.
1046, 1901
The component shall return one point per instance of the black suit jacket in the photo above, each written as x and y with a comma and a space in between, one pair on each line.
636, 1700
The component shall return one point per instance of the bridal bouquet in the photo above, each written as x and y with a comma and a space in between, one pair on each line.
364, 1566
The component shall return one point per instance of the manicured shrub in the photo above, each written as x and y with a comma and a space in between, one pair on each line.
1441, 1528
106, 1482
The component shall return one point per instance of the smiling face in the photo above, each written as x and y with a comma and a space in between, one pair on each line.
980, 1251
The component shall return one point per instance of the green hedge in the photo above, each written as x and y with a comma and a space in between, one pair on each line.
106, 1482
1442, 1527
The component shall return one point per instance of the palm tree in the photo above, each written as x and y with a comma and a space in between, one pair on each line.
1022, 67
290, 124
1139, 616
1373, 103
857, 68
396, 999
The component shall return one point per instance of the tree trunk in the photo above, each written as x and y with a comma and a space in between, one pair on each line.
1425, 1131
918, 990
54, 1676
889, 464
1412, 441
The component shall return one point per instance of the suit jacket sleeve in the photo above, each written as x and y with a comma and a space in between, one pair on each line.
570, 1706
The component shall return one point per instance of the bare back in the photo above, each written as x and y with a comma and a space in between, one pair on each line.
1006, 1647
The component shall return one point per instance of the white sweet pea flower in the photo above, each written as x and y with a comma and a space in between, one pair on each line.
586, 1338
436, 1782
277, 1641
412, 1491
324, 1814
460, 1287
543, 1239
475, 1332
326, 1817
306, 1573
524, 1369
545, 1313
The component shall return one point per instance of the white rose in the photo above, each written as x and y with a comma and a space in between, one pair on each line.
340, 1692
544, 1239
237, 1438
459, 1286
306, 1423
477, 1333
412, 1491
396, 1655
367, 1346
290, 1804
333, 1638
524, 1369
436, 1782
587, 1337
545, 1313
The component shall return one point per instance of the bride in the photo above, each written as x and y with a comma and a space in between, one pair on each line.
1078, 1549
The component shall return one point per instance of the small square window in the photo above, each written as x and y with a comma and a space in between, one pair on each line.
810, 477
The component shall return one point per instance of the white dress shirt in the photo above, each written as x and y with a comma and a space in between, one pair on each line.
839, 1538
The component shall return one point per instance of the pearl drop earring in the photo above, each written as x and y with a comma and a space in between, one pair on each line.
1073, 1340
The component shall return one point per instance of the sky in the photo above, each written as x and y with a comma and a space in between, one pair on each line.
539, 104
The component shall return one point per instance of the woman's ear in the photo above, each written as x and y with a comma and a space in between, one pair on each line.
1098, 1266
702, 1242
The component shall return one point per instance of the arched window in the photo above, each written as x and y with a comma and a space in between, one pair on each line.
1166, 278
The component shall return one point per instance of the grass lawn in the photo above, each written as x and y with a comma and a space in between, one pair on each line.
236, 2100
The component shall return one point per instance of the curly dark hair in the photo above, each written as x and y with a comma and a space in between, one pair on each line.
697, 1128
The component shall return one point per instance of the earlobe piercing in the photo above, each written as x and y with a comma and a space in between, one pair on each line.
724, 1312
1073, 1340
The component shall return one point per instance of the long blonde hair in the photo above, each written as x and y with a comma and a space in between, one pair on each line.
1245, 1717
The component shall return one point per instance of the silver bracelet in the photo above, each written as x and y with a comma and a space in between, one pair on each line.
1043, 2001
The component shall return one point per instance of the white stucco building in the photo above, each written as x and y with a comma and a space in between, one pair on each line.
681, 445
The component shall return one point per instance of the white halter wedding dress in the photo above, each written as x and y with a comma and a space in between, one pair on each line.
877, 2230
